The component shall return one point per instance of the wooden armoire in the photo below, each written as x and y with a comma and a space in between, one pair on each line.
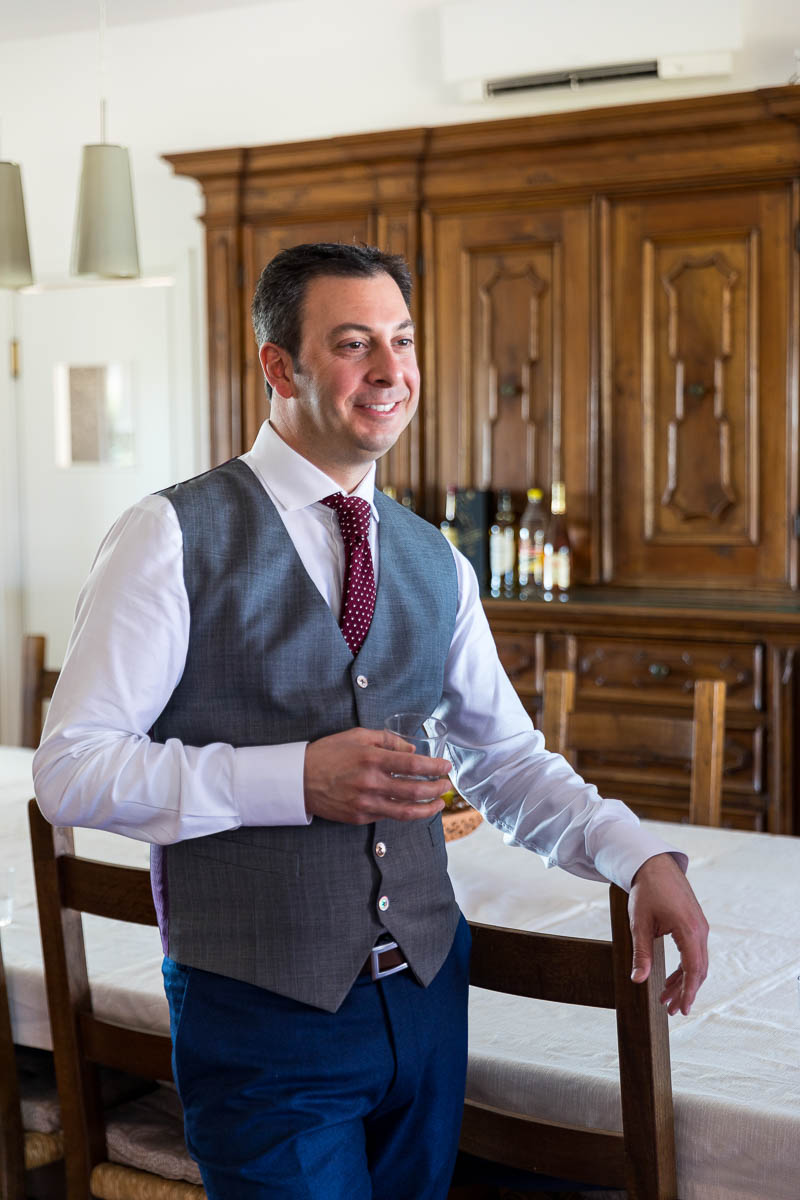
612, 298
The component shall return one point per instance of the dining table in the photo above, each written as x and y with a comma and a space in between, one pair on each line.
735, 1058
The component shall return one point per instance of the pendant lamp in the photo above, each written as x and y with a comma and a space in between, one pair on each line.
15, 255
104, 242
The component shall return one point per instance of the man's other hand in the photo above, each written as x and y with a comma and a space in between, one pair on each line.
660, 902
352, 777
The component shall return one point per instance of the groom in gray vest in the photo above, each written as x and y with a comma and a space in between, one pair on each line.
260, 622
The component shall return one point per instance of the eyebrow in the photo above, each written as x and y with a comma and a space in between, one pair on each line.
346, 326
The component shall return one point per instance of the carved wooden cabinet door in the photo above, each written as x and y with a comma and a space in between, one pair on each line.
698, 410
509, 355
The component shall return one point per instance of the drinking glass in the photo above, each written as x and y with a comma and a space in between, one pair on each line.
425, 734
6, 896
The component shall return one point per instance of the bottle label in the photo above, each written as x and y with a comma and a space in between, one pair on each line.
547, 571
537, 564
497, 553
509, 550
563, 569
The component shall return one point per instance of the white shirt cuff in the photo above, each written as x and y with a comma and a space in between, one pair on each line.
268, 784
621, 856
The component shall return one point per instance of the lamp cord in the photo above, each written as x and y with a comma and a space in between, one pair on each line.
101, 67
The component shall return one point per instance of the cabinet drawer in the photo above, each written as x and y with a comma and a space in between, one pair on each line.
742, 767
665, 672
522, 656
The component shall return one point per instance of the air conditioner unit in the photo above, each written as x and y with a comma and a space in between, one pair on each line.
506, 46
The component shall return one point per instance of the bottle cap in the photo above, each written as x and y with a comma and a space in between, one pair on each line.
534, 493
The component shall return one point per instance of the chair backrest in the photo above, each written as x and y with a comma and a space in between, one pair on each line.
66, 886
12, 1144
37, 686
597, 973
697, 740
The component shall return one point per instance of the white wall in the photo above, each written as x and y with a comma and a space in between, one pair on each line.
270, 72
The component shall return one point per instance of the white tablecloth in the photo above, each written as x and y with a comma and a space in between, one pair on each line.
735, 1059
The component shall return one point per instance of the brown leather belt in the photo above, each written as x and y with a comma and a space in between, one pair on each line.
384, 959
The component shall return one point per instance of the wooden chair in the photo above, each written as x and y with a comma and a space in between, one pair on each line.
66, 886
37, 686
21, 1151
698, 740
597, 973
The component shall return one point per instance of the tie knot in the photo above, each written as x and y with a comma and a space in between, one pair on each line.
353, 514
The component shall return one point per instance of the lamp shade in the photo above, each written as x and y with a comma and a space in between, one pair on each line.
105, 224
15, 256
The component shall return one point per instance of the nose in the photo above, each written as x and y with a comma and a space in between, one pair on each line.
385, 369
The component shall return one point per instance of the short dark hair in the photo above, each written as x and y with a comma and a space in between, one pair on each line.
277, 308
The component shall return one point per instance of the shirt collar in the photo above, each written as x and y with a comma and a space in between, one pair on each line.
293, 480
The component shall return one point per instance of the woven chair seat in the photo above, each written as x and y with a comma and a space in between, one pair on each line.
42, 1149
148, 1134
112, 1182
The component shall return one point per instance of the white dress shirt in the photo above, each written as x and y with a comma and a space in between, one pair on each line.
97, 766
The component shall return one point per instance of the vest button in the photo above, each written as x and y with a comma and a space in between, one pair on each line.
383, 903
362, 681
380, 849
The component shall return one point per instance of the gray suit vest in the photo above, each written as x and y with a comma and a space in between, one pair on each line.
295, 909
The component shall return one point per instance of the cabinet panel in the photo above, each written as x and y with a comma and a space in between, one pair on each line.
700, 403
512, 355
664, 673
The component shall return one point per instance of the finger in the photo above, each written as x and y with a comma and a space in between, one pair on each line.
694, 967
642, 956
413, 812
394, 742
394, 763
414, 791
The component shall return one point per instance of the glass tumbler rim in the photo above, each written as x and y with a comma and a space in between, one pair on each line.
438, 728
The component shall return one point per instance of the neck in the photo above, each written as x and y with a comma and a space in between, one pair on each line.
347, 475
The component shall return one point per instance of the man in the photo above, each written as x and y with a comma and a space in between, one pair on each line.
223, 697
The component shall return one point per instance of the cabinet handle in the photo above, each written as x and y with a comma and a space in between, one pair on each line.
658, 670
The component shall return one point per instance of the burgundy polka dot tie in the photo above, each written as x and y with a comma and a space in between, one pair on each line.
359, 580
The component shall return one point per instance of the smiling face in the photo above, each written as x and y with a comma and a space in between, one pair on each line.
355, 384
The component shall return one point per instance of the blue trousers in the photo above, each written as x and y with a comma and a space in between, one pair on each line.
282, 1100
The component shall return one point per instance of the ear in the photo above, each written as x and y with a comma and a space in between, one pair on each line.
278, 369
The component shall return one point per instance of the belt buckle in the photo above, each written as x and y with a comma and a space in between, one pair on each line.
375, 954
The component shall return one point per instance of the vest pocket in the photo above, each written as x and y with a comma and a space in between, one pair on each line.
436, 830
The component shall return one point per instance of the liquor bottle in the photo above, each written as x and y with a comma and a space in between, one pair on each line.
557, 559
530, 542
448, 525
408, 500
390, 490
502, 546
